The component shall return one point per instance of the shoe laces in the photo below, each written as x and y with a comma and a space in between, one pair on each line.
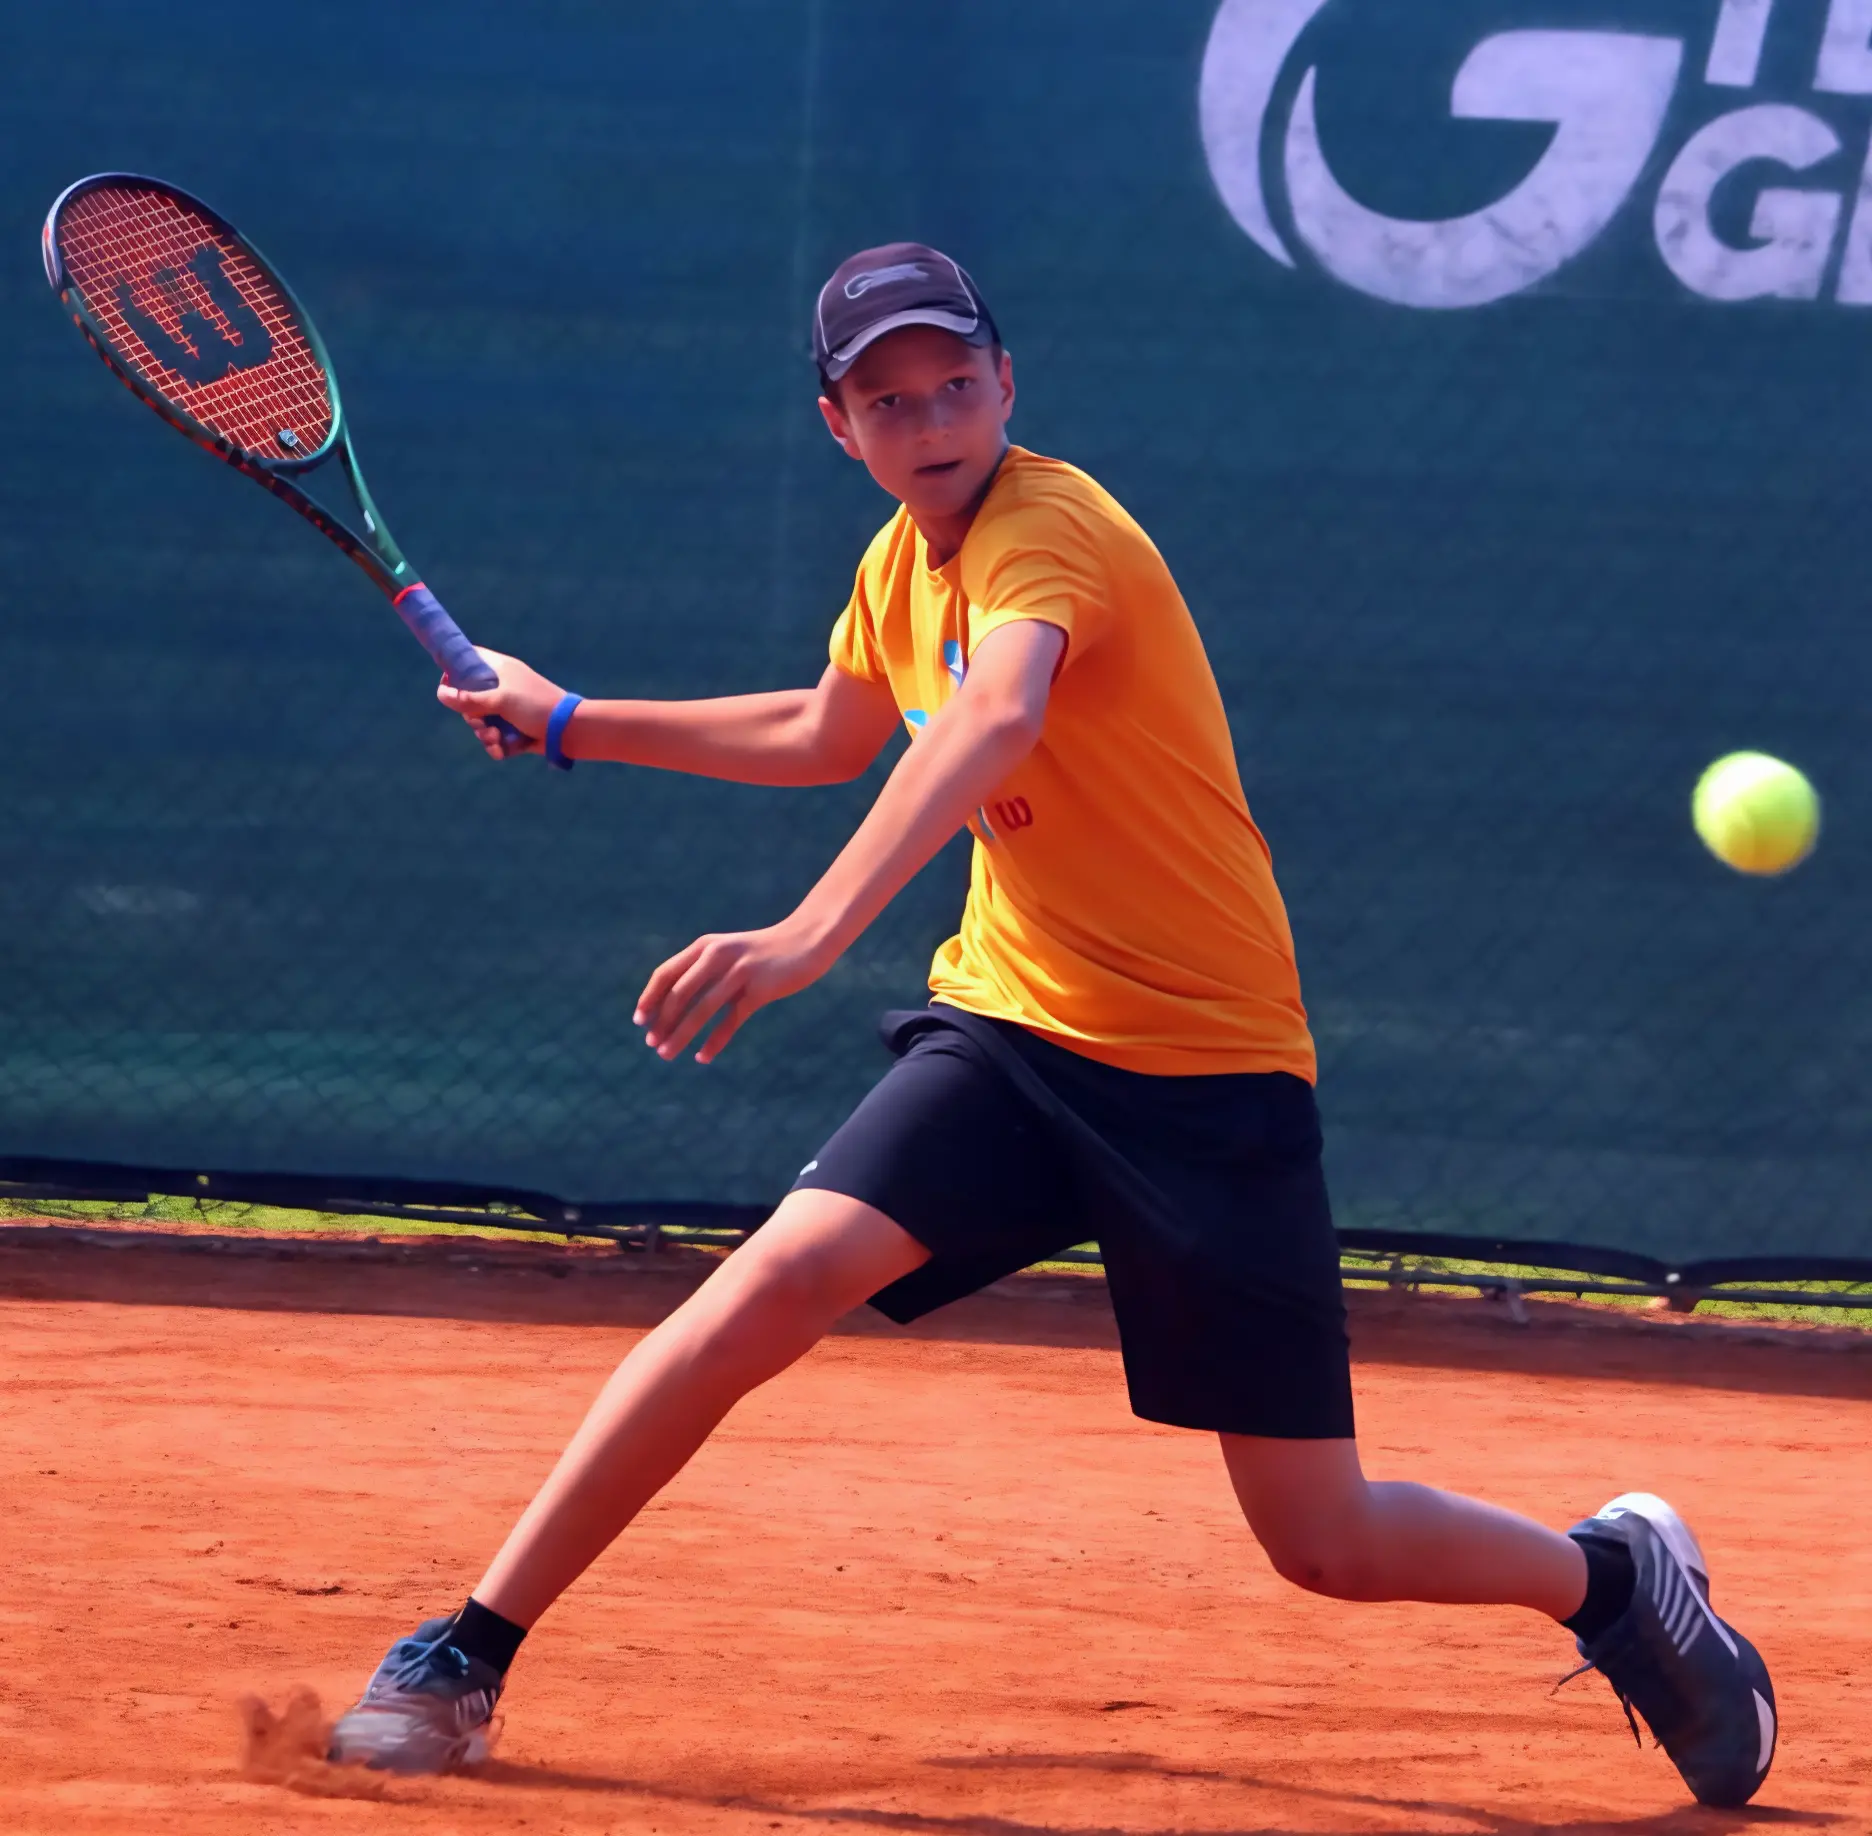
440, 1662
1624, 1701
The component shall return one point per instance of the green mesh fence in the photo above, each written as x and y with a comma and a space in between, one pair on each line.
1486, 581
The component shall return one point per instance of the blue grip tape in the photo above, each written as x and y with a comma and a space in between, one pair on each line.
448, 644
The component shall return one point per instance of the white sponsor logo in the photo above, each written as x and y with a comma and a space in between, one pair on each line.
878, 277
1608, 95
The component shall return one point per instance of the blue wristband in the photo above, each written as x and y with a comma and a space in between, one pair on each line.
555, 731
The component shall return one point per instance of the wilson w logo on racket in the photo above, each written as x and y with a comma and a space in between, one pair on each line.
193, 318
199, 346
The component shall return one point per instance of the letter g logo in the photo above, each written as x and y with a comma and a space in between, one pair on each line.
1606, 93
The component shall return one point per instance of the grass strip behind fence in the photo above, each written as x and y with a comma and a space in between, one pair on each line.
1362, 1269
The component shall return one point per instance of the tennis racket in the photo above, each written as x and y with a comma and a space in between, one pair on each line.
195, 321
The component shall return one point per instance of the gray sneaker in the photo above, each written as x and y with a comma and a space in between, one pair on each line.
1700, 1685
427, 1708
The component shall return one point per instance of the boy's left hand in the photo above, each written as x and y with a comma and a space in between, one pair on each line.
723, 979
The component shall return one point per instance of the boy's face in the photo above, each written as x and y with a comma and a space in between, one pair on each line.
927, 414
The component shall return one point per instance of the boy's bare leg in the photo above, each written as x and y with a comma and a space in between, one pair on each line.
1326, 1527
819, 1256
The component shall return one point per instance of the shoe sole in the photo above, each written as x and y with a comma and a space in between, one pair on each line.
386, 1741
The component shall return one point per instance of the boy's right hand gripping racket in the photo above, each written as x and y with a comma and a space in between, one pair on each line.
195, 321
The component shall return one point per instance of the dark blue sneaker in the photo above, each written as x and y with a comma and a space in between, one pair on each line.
427, 1709
1701, 1687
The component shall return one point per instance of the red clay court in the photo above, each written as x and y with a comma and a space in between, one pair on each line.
934, 1581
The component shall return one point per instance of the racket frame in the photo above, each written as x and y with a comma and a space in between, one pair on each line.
376, 552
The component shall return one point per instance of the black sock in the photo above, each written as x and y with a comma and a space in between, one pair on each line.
480, 1632
1610, 1579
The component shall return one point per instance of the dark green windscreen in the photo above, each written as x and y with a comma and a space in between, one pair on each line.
1487, 581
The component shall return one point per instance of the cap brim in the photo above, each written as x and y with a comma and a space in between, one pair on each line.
975, 330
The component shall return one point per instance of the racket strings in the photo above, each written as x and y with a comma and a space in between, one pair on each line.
197, 319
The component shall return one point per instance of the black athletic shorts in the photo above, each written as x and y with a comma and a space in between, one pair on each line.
996, 1148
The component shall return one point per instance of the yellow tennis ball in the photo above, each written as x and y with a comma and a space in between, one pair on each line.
1757, 814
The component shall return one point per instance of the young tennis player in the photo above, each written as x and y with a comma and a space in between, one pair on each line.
1115, 1048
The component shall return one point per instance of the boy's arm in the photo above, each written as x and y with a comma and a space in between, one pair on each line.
822, 735
955, 764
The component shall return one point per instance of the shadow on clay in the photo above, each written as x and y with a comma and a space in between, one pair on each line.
1689, 1820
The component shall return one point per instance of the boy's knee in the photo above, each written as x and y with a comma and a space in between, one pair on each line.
800, 1285
819, 1256
783, 1297
781, 1292
1333, 1565
1313, 1513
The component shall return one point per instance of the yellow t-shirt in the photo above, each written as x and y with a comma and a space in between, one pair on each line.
1121, 900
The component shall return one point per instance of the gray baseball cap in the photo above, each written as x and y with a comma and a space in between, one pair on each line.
878, 290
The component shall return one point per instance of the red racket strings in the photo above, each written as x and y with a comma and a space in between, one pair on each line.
196, 318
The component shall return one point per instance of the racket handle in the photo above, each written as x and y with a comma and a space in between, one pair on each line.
448, 644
